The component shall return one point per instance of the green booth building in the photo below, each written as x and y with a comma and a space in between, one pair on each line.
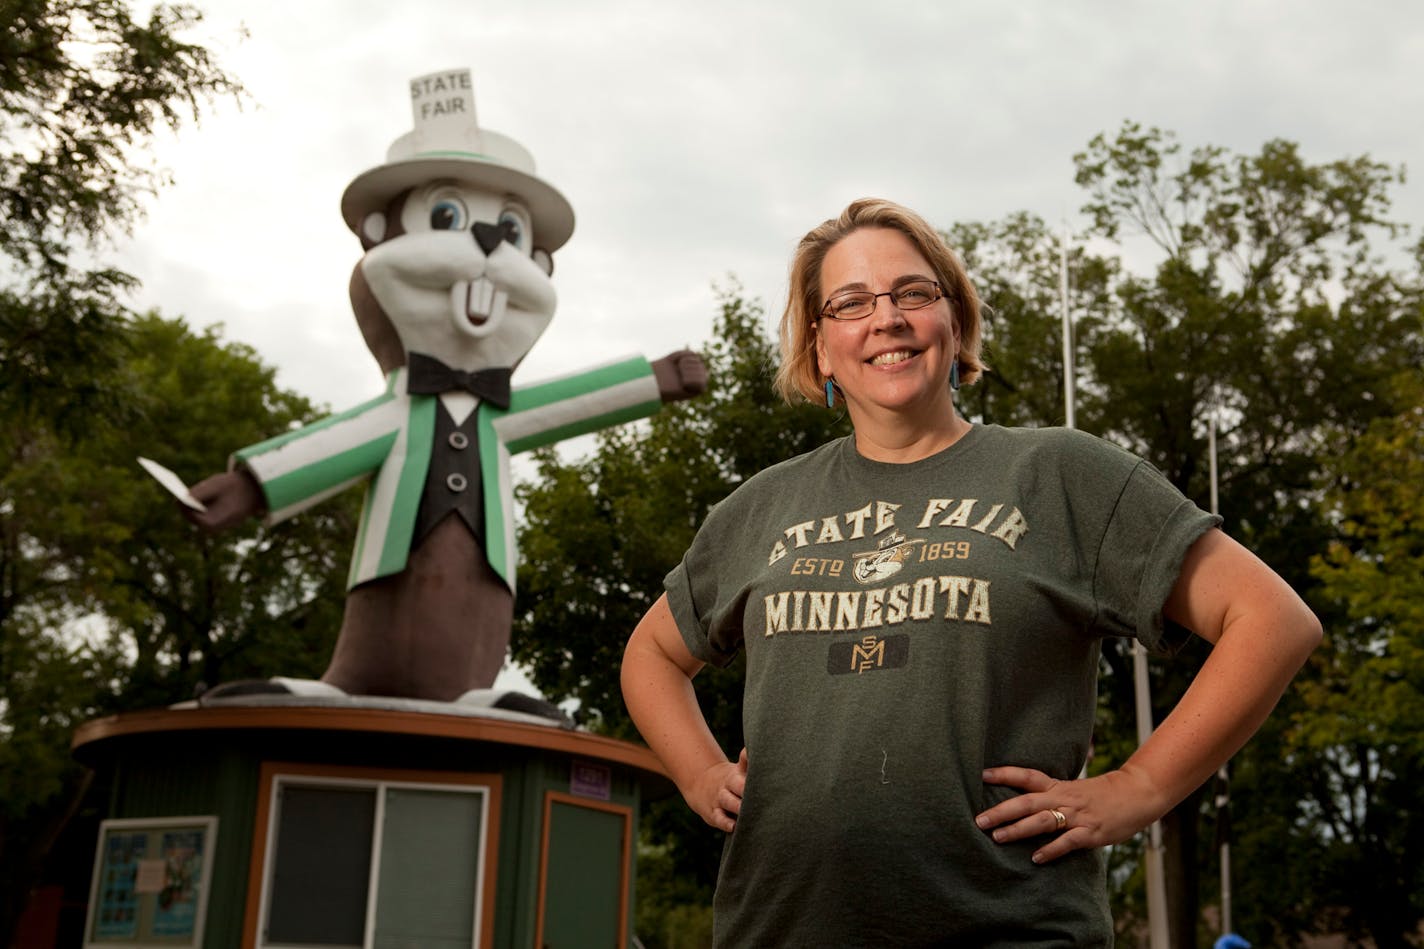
272, 821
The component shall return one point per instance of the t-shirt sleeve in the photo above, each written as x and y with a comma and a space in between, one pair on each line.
703, 598
1148, 533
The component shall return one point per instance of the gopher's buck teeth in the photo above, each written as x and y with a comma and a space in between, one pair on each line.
480, 301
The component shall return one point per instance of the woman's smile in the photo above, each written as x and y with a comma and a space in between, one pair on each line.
894, 357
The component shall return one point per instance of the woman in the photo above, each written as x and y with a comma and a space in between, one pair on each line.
922, 605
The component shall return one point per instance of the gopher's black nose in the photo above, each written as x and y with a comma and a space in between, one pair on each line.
487, 236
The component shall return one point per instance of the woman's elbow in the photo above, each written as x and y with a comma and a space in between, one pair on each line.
1301, 627
1311, 632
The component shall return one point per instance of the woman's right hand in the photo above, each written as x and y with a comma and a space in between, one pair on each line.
657, 687
717, 795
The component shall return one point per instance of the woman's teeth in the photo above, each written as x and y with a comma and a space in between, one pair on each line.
889, 359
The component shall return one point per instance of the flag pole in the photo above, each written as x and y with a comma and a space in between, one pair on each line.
1068, 383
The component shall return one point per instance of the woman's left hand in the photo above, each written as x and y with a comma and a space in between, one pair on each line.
1095, 812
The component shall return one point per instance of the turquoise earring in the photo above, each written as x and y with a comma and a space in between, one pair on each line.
830, 394
953, 376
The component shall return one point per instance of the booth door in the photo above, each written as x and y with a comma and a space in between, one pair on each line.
584, 873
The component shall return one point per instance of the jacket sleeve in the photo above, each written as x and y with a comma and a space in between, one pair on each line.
300, 468
578, 404
545, 413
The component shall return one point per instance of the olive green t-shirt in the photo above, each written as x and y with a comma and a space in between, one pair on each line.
905, 627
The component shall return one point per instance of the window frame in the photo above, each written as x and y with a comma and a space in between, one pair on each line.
275, 775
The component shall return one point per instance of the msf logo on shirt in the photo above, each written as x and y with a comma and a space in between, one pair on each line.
868, 654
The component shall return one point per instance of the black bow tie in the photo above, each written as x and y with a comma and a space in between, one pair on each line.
430, 376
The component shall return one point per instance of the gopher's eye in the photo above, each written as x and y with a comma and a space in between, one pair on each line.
513, 226
447, 215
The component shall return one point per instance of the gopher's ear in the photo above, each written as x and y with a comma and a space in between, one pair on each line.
385, 225
373, 229
544, 260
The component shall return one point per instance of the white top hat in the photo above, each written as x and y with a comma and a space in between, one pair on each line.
447, 142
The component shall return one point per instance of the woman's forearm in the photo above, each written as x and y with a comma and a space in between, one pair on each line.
657, 688
1255, 656
1261, 634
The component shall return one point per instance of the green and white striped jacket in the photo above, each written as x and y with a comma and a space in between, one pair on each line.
388, 440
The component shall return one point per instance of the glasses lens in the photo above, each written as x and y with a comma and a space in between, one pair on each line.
913, 296
850, 306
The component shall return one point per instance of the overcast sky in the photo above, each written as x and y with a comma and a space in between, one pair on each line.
698, 141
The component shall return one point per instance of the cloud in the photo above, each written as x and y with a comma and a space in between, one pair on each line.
696, 142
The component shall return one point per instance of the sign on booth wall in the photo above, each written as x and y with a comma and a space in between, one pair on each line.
151, 882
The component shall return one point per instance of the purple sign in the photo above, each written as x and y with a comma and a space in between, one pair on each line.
588, 779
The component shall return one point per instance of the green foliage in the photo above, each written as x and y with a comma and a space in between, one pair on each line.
1254, 296
111, 601
195, 608
1376, 572
84, 85
1362, 744
673, 910
1015, 265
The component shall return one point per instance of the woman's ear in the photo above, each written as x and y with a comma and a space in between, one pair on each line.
823, 362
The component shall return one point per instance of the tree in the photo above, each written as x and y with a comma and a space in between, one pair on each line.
197, 608
121, 604
1236, 318
1364, 743
1262, 294
83, 87
1015, 264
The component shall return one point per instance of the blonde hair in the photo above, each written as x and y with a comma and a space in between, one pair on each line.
798, 374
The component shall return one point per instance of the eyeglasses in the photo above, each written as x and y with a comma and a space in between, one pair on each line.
858, 304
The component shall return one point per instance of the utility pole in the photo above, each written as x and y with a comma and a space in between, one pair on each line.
1223, 795
1156, 871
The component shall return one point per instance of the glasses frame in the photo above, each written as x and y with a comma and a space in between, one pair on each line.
875, 301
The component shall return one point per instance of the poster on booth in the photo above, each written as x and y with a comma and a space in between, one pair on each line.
177, 910
116, 905
151, 881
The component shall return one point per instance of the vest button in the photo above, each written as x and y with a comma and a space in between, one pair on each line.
459, 441
456, 482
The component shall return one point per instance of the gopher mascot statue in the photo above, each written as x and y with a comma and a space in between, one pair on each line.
452, 292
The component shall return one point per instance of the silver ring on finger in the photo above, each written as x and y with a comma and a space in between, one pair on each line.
1059, 818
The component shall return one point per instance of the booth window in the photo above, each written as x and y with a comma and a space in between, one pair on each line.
370, 863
